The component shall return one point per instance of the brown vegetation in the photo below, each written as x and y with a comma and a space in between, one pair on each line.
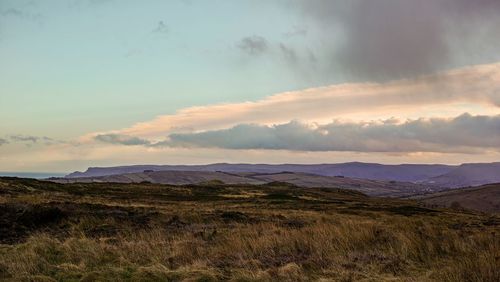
212, 232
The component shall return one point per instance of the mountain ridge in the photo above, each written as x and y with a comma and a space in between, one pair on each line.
401, 172
449, 176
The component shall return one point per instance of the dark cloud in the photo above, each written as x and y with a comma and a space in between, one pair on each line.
25, 138
389, 39
120, 139
3, 141
464, 133
253, 45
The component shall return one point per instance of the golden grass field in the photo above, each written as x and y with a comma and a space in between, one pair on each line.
214, 232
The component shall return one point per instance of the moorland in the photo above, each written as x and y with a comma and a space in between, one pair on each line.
213, 231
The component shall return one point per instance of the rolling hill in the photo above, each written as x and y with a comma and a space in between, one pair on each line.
484, 198
468, 175
403, 172
429, 175
369, 187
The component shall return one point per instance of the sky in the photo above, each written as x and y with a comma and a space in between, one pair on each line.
106, 82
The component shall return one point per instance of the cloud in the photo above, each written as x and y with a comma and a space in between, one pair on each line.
478, 87
99, 2
90, 3
386, 39
31, 140
298, 59
161, 28
296, 31
12, 12
121, 139
463, 134
3, 141
289, 53
253, 45
24, 138
20, 14
133, 52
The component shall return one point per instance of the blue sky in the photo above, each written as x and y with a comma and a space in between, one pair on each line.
107, 82
68, 62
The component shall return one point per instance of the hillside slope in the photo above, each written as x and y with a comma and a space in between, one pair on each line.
484, 198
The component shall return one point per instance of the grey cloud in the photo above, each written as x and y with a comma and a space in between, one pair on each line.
389, 39
92, 2
253, 45
161, 28
98, 2
296, 31
133, 52
121, 139
302, 63
25, 138
49, 141
464, 133
289, 53
89, 4
25, 15
12, 12
282, 51
3, 141
30, 140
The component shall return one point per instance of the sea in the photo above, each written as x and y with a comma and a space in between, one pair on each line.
36, 175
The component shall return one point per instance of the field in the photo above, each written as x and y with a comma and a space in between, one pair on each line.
215, 231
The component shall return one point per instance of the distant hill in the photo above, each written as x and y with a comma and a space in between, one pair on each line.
369, 187
484, 198
468, 175
433, 174
403, 172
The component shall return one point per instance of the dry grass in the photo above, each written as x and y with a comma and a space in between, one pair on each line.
352, 239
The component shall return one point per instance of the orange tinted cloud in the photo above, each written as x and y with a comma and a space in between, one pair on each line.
474, 89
